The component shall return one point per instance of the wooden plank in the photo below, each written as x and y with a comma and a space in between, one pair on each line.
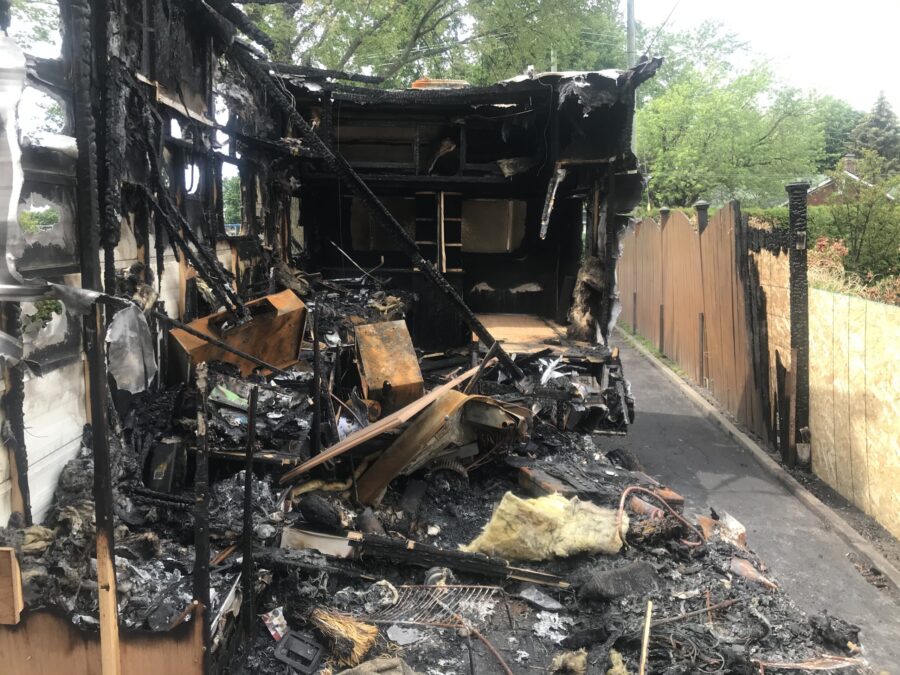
841, 396
45, 643
384, 424
110, 654
11, 602
857, 400
821, 385
882, 406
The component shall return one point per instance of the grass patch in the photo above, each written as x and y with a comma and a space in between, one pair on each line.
650, 347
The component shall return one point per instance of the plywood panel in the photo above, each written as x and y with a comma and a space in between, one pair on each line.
857, 400
821, 385
841, 395
882, 407
47, 644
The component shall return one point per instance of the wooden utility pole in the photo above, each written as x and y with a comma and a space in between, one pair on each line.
629, 18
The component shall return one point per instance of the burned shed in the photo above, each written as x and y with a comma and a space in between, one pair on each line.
503, 188
281, 447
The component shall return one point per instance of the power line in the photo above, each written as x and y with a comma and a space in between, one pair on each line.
662, 25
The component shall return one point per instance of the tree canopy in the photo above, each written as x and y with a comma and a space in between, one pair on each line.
866, 216
879, 132
837, 119
478, 40
718, 139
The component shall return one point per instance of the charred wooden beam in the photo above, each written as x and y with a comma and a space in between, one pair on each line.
424, 555
242, 22
87, 76
201, 513
341, 167
14, 427
308, 71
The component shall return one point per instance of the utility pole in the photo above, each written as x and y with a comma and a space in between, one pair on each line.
629, 18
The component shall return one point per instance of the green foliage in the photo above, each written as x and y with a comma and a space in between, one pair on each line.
866, 217
718, 139
34, 21
479, 40
837, 119
818, 219
231, 199
707, 48
879, 132
44, 312
36, 221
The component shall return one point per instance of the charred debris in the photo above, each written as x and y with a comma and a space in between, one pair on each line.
310, 431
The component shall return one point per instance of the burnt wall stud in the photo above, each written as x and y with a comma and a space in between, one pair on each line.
201, 514
799, 294
80, 27
13, 433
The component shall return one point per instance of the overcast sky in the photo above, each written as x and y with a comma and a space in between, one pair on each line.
847, 49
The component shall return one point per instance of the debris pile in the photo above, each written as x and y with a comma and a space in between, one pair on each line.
442, 521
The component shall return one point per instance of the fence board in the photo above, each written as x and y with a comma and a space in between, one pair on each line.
649, 279
857, 398
822, 383
683, 293
841, 388
882, 409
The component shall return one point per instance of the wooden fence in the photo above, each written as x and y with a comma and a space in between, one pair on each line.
715, 298
854, 392
685, 287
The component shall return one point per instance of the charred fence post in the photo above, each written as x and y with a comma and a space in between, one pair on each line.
201, 515
81, 24
799, 294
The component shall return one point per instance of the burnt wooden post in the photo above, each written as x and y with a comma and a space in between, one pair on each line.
88, 58
316, 445
799, 294
201, 515
14, 431
247, 531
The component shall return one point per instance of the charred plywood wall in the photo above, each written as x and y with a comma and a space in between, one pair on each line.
854, 406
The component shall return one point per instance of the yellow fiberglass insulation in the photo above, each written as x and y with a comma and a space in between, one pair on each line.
548, 527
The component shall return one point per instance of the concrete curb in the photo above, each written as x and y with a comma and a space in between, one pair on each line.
830, 519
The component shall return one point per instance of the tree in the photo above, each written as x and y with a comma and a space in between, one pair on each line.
879, 132
231, 199
866, 216
837, 119
707, 48
34, 21
480, 40
719, 139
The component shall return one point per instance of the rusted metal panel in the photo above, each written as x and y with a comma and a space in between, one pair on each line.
272, 335
388, 365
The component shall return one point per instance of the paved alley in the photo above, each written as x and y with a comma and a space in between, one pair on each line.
677, 443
